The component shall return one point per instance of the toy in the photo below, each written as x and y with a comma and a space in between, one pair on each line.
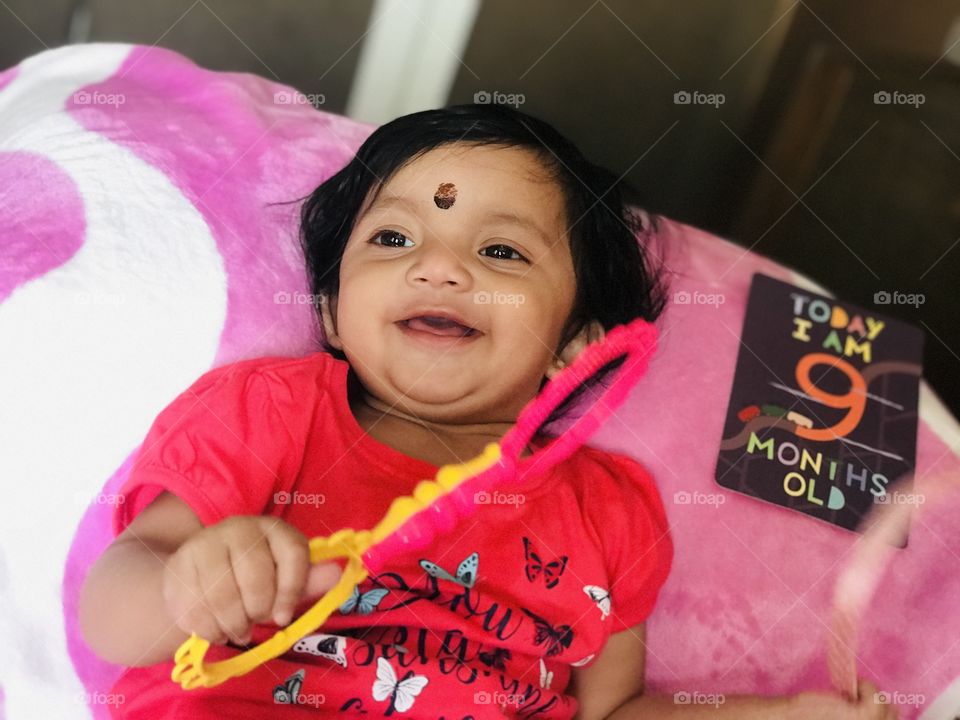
437, 505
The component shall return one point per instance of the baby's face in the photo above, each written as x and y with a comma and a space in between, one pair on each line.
440, 237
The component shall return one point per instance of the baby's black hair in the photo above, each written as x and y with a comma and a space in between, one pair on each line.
616, 280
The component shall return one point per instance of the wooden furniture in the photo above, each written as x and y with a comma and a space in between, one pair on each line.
861, 191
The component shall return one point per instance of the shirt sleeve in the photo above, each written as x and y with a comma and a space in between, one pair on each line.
222, 446
636, 539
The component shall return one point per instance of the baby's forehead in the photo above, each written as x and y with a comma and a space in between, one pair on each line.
471, 183
448, 202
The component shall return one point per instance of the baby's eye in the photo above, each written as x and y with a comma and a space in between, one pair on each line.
392, 235
500, 250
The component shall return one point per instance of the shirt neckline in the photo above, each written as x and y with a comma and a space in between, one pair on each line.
393, 460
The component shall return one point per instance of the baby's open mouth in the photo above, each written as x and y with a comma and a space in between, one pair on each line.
438, 326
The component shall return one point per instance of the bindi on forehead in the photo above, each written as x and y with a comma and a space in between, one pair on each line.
445, 196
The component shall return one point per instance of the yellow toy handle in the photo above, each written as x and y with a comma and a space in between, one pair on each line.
189, 669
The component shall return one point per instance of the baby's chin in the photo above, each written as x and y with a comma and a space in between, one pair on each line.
444, 388
431, 400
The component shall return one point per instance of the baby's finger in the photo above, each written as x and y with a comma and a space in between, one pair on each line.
882, 711
888, 711
256, 579
221, 594
870, 701
291, 555
321, 578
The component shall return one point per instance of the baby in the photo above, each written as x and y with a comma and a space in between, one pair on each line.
462, 258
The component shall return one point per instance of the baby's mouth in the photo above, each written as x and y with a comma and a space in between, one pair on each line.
438, 326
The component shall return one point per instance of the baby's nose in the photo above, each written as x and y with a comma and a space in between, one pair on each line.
440, 265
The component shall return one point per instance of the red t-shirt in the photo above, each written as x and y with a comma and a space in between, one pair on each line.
490, 618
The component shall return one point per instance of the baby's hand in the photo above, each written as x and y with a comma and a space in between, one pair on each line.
241, 571
816, 705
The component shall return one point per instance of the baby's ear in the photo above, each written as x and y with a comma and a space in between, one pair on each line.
590, 333
328, 313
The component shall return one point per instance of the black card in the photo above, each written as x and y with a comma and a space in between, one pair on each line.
823, 411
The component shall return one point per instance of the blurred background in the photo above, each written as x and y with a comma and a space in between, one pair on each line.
822, 134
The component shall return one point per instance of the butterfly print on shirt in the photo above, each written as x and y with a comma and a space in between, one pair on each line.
495, 658
287, 692
466, 571
402, 693
557, 639
535, 567
601, 596
363, 603
331, 647
546, 677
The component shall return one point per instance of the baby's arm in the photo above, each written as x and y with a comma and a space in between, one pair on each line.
123, 615
167, 575
612, 687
